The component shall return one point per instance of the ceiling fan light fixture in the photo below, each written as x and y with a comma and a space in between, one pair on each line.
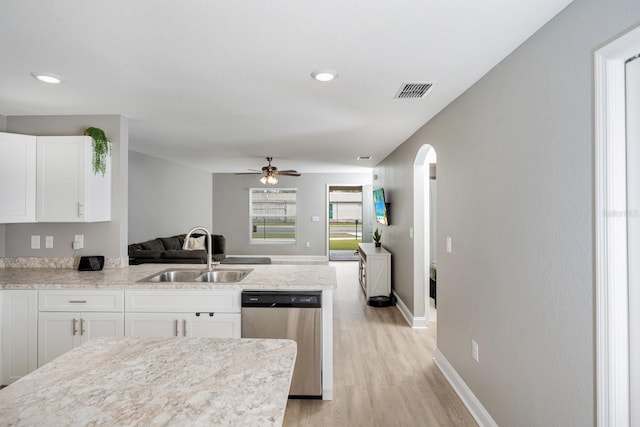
272, 180
324, 75
263, 179
48, 78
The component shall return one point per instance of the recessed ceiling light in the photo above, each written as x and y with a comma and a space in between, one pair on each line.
324, 75
364, 157
48, 77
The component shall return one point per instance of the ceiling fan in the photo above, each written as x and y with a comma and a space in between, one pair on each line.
269, 173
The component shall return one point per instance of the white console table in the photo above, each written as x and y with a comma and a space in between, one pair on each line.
374, 270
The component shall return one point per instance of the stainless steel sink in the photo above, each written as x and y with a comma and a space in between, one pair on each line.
223, 276
187, 275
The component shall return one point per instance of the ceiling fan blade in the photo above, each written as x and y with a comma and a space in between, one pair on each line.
248, 173
289, 173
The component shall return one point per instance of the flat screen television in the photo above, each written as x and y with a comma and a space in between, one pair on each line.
380, 207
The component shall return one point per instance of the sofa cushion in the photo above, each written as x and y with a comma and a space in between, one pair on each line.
171, 243
218, 244
146, 254
196, 243
152, 245
181, 254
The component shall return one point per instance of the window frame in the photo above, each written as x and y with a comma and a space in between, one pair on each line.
273, 241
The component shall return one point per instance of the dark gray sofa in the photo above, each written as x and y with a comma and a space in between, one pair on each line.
169, 250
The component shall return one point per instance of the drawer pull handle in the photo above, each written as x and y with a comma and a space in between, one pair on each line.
78, 301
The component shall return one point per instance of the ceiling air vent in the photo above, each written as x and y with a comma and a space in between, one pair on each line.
413, 90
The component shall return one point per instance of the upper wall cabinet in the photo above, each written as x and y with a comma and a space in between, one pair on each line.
67, 189
17, 178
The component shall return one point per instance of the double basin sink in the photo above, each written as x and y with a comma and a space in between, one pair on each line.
207, 276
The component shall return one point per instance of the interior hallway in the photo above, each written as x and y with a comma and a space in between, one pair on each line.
383, 370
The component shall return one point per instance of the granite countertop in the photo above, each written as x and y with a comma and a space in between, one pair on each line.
157, 381
274, 276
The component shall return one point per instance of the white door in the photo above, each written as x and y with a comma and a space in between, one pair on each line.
61, 179
220, 325
19, 334
17, 178
57, 333
95, 325
153, 325
633, 230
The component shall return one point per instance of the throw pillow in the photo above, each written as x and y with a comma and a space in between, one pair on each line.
197, 242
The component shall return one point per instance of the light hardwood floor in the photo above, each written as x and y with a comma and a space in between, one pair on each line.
383, 370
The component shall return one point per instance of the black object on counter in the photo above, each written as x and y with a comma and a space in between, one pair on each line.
91, 263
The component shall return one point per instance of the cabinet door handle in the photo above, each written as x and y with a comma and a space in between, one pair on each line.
81, 326
184, 327
78, 301
74, 326
176, 325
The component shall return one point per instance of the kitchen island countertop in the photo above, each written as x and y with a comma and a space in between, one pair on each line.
157, 381
274, 276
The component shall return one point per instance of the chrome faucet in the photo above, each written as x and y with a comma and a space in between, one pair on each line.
186, 244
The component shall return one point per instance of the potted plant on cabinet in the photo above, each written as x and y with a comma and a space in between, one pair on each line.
377, 235
101, 149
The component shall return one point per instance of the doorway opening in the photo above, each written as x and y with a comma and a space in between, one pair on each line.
344, 222
617, 380
424, 237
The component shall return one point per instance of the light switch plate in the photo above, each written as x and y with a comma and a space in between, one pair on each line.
448, 244
315, 218
35, 242
48, 242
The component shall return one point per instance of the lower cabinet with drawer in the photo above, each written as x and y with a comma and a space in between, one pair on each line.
66, 319
187, 313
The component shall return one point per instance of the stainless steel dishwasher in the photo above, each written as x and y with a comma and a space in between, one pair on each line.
290, 315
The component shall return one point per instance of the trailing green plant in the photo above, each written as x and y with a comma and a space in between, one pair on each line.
377, 235
101, 149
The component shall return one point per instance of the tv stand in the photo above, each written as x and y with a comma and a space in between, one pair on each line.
374, 270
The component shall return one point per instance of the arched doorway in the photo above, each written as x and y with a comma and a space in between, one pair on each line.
423, 233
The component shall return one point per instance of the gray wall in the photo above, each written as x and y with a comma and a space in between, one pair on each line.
231, 211
3, 128
166, 198
515, 192
102, 238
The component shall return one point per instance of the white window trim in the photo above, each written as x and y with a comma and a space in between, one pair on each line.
293, 241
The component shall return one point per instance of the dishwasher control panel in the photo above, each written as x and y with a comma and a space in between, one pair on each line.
281, 299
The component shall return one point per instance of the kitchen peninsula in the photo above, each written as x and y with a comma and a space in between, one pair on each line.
157, 381
49, 311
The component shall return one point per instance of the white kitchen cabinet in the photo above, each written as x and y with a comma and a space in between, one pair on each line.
67, 189
183, 313
59, 332
19, 333
67, 318
200, 325
17, 178
374, 270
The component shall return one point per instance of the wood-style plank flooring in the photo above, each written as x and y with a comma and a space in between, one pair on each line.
383, 370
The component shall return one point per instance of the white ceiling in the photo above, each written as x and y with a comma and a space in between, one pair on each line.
221, 84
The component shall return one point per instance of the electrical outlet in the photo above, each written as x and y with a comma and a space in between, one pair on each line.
78, 242
307, 245
35, 242
48, 242
475, 354
448, 244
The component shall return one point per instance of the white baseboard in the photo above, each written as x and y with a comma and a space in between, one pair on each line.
294, 259
413, 321
478, 412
